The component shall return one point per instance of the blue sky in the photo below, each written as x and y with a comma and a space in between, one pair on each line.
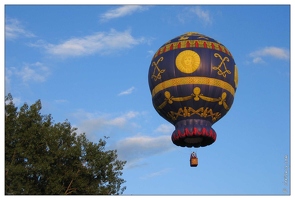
89, 64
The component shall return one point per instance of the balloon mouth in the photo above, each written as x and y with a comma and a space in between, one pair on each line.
193, 133
193, 140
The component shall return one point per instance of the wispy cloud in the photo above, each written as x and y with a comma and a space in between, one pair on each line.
165, 129
195, 13
137, 148
150, 53
154, 174
121, 120
100, 43
91, 123
36, 72
126, 92
14, 29
17, 101
60, 101
121, 12
274, 52
203, 15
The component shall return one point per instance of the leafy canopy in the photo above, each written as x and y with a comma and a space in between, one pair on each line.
42, 157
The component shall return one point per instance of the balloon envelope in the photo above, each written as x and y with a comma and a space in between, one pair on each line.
193, 79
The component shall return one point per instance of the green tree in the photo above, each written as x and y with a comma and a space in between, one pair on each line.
42, 157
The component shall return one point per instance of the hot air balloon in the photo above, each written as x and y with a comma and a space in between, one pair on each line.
193, 79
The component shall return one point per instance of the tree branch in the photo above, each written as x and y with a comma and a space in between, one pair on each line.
69, 190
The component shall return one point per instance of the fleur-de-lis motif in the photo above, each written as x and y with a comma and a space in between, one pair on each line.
183, 38
222, 63
157, 69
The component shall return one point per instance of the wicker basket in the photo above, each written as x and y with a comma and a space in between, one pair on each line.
194, 162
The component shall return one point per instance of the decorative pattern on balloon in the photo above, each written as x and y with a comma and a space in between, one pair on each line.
187, 61
193, 80
222, 63
192, 43
157, 69
196, 95
188, 112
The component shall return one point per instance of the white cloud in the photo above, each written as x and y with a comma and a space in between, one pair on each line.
91, 123
158, 173
257, 60
195, 13
37, 72
17, 101
137, 148
61, 101
165, 129
8, 74
133, 149
203, 15
101, 43
150, 53
121, 12
14, 29
274, 52
122, 120
126, 92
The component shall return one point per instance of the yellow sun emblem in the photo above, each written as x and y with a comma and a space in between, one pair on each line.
187, 61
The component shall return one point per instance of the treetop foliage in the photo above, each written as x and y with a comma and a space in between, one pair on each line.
43, 157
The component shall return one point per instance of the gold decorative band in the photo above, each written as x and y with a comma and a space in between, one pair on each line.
187, 112
193, 80
197, 95
192, 43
